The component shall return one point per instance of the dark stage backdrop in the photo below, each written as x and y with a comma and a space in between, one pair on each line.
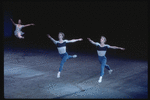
123, 23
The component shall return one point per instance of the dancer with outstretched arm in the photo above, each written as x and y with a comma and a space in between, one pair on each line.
61, 46
18, 33
101, 51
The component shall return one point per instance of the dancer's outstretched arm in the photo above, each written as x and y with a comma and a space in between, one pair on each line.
115, 47
74, 40
91, 41
12, 21
51, 38
28, 25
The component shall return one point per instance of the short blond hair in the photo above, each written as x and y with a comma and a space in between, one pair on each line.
104, 38
62, 34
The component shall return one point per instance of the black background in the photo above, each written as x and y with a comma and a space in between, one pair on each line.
123, 23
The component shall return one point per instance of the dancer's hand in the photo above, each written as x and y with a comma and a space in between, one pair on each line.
11, 19
89, 39
80, 39
32, 24
122, 48
48, 36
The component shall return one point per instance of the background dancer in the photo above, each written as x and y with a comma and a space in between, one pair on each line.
61, 46
18, 33
101, 51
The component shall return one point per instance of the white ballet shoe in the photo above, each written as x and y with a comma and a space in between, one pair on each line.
58, 75
74, 56
110, 71
100, 79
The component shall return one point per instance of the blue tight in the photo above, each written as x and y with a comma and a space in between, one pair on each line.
103, 60
64, 58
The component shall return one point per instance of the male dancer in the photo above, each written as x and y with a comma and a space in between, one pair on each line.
101, 51
61, 46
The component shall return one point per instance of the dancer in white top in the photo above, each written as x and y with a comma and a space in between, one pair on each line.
18, 32
101, 51
61, 46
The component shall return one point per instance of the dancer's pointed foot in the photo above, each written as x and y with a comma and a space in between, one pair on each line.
21, 37
74, 56
110, 71
100, 79
58, 75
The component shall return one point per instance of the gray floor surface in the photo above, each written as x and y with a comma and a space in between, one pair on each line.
32, 74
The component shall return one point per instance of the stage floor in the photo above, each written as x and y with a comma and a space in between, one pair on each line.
31, 73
